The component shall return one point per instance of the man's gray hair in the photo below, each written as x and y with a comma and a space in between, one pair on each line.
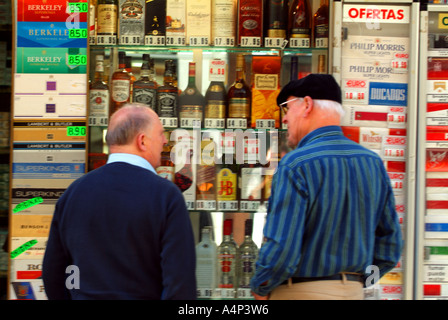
127, 127
330, 105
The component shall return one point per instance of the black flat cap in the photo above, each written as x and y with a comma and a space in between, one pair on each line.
317, 86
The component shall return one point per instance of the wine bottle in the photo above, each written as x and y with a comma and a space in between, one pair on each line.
120, 84
299, 23
239, 97
321, 24
191, 102
99, 99
227, 258
145, 88
216, 96
277, 18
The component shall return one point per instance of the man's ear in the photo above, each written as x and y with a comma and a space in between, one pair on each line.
309, 105
142, 143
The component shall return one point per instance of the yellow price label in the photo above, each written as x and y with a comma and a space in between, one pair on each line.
443, 20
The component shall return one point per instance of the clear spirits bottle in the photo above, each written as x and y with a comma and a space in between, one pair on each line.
247, 256
227, 256
206, 262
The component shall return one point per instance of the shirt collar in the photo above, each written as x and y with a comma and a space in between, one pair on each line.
327, 130
131, 159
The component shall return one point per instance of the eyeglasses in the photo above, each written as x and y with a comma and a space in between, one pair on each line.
284, 105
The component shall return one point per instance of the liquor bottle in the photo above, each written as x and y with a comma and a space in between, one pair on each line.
131, 22
223, 22
216, 97
166, 168
293, 75
167, 94
175, 22
107, 14
198, 22
206, 176
185, 177
299, 21
227, 183
155, 21
250, 182
320, 24
191, 102
250, 22
99, 96
277, 17
265, 89
145, 88
321, 64
227, 258
128, 68
206, 261
120, 84
239, 97
247, 256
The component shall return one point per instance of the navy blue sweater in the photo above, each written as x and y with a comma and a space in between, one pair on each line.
128, 231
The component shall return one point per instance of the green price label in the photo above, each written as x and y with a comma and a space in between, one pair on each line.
78, 7
76, 131
77, 59
77, 33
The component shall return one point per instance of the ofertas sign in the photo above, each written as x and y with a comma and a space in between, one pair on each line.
373, 13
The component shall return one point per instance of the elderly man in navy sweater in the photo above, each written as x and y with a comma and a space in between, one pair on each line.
121, 231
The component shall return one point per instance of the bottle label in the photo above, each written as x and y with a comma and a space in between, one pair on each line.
266, 81
145, 96
107, 19
251, 182
226, 184
239, 108
167, 104
190, 116
166, 172
215, 109
120, 90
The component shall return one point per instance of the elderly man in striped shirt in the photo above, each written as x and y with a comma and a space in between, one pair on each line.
331, 214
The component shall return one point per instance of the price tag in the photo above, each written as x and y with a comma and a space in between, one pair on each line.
78, 131
155, 40
130, 40
77, 60
189, 204
397, 185
396, 118
78, 7
224, 41
275, 42
394, 148
226, 293
250, 42
400, 63
199, 41
190, 123
228, 205
210, 123
92, 40
265, 124
175, 41
98, 121
106, 40
322, 43
204, 292
394, 153
206, 205
217, 70
236, 123
244, 293
299, 42
246, 205
168, 122
77, 33
355, 95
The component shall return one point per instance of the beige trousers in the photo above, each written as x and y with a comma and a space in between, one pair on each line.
319, 290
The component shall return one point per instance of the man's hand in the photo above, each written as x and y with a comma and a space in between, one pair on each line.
258, 297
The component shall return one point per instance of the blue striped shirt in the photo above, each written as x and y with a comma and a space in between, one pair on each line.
331, 209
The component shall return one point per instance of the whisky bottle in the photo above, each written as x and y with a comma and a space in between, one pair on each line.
155, 21
299, 23
107, 19
277, 17
131, 22
239, 97
206, 177
247, 256
128, 68
227, 258
191, 102
99, 99
166, 168
223, 22
206, 263
250, 22
227, 183
216, 97
321, 24
120, 84
145, 88
198, 22
167, 96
